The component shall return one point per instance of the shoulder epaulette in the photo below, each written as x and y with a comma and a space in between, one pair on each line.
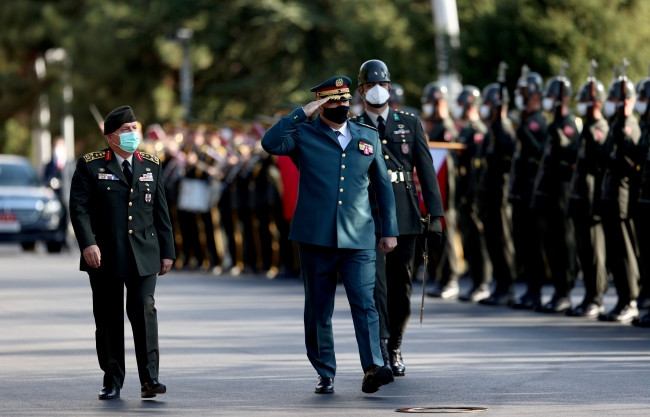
407, 113
89, 157
363, 124
151, 158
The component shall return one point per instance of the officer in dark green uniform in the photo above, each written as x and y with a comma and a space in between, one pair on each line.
119, 213
404, 147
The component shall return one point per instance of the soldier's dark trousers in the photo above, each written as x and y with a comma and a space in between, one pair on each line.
474, 246
590, 243
108, 309
320, 267
621, 255
642, 228
400, 265
528, 245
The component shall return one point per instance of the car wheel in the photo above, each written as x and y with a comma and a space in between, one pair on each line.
28, 246
54, 247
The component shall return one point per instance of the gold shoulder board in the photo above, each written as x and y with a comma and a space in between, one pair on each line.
151, 158
89, 157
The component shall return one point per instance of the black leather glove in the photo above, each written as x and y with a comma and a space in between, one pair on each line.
435, 230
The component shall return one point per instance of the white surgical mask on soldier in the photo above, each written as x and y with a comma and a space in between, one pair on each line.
377, 95
519, 102
640, 107
427, 109
610, 108
547, 104
582, 109
458, 112
356, 109
485, 111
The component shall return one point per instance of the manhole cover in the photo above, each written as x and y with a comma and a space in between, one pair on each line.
441, 410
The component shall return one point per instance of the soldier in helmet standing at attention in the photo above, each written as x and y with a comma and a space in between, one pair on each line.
439, 127
531, 136
404, 148
584, 197
469, 161
551, 192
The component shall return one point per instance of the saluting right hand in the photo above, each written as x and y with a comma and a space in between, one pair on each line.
311, 107
92, 256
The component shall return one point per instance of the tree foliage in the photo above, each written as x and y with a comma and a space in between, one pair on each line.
250, 57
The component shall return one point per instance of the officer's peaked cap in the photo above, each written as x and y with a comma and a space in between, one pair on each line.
336, 88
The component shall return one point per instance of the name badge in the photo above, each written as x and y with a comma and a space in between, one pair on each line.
110, 177
147, 198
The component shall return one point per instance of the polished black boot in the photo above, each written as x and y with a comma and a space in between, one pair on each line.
383, 344
395, 356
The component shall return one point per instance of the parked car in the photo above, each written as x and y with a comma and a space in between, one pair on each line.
29, 210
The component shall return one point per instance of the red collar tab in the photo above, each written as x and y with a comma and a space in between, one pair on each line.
137, 155
109, 155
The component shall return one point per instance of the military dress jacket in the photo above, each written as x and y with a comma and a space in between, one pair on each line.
333, 207
405, 149
126, 221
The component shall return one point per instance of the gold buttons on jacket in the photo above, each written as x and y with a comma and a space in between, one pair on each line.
342, 166
130, 203
342, 178
340, 203
130, 231
130, 217
384, 141
343, 155
340, 190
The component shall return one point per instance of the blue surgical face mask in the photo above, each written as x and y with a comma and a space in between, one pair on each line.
129, 141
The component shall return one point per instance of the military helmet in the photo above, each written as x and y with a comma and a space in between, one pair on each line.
470, 95
643, 88
584, 92
614, 91
492, 94
434, 91
552, 88
396, 94
373, 71
533, 83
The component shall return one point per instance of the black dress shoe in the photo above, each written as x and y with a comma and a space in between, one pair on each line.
498, 299
528, 301
152, 388
622, 313
396, 362
109, 393
557, 304
643, 321
375, 377
325, 385
588, 309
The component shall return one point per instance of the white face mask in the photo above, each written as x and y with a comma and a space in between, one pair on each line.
640, 107
427, 109
547, 104
458, 112
357, 109
377, 96
610, 108
485, 111
519, 102
582, 109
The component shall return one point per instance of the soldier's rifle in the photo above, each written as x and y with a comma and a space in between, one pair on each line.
579, 170
514, 193
538, 185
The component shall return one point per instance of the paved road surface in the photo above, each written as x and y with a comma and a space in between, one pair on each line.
234, 346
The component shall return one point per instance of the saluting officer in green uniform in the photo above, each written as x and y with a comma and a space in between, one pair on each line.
404, 149
120, 218
333, 224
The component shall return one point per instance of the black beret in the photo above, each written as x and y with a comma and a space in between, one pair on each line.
117, 117
336, 88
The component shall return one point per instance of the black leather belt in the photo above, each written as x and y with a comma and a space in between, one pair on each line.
400, 176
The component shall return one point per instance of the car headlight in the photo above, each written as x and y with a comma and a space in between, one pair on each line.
51, 212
